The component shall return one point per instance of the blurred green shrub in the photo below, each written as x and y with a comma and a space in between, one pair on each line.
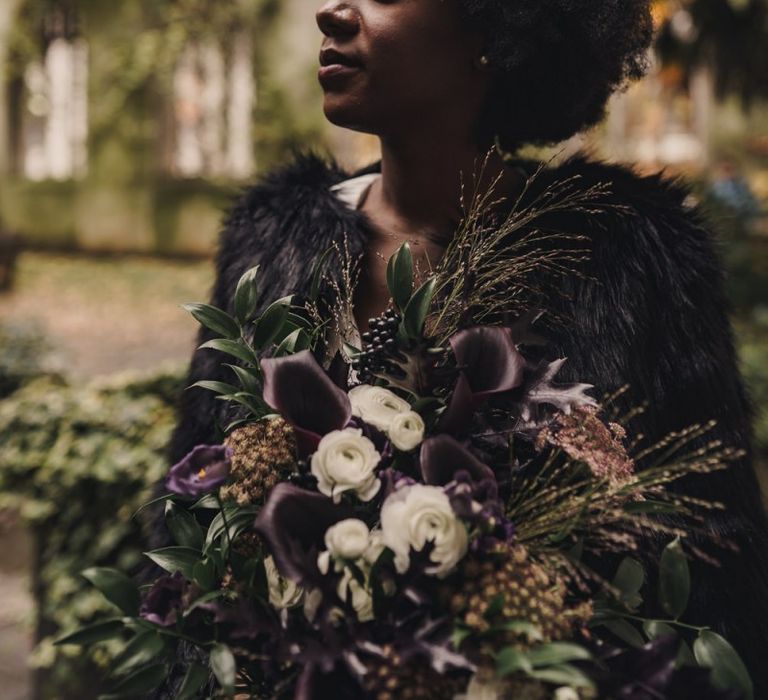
24, 355
76, 462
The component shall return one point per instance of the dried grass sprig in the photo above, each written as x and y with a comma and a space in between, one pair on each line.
488, 268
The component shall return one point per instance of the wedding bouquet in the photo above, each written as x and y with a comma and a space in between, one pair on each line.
417, 516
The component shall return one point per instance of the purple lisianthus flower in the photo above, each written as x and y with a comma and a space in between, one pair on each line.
203, 470
163, 602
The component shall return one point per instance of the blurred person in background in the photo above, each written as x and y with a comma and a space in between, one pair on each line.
442, 83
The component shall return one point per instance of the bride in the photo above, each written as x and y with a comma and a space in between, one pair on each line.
441, 82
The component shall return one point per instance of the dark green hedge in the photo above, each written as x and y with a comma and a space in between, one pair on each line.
76, 462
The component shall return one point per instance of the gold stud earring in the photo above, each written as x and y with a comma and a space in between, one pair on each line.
483, 61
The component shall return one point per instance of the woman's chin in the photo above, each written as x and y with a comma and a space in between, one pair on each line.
340, 111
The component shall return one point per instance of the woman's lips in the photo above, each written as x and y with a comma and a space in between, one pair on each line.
335, 72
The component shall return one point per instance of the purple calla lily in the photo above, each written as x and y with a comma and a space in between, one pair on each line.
203, 470
293, 522
489, 364
302, 393
442, 457
489, 359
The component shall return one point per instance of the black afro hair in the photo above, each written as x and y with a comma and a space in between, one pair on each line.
556, 63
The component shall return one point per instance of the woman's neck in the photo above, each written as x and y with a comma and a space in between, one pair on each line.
422, 183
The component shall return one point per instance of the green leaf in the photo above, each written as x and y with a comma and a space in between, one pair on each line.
236, 348
629, 580
174, 559
194, 680
511, 660
563, 674
215, 319
99, 632
624, 631
153, 502
295, 342
317, 274
238, 520
271, 323
246, 296
249, 379
140, 651
460, 635
204, 572
416, 311
728, 670
656, 628
183, 526
400, 276
117, 588
223, 667
138, 683
558, 653
674, 580
207, 502
216, 387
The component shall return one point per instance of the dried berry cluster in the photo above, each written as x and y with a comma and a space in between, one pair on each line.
390, 678
512, 587
263, 455
379, 344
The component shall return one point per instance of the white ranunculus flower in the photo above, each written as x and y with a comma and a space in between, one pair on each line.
376, 405
346, 461
478, 690
566, 693
282, 592
357, 594
347, 539
375, 547
406, 431
417, 514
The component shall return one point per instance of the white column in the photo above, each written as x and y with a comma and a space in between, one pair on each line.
240, 106
59, 68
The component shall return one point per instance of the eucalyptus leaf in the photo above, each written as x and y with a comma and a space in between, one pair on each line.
728, 670
116, 587
183, 526
400, 276
656, 628
235, 348
223, 667
415, 313
246, 296
215, 319
625, 631
629, 580
91, 634
674, 580
173, 559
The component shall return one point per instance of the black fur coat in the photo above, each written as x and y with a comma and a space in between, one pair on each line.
649, 312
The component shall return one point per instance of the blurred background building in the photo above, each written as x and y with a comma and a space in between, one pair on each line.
126, 129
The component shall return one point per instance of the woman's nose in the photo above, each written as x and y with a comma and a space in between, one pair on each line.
338, 19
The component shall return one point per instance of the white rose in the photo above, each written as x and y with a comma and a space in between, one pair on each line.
477, 690
347, 539
350, 589
282, 592
376, 405
417, 514
566, 693
407, 431
346, 461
